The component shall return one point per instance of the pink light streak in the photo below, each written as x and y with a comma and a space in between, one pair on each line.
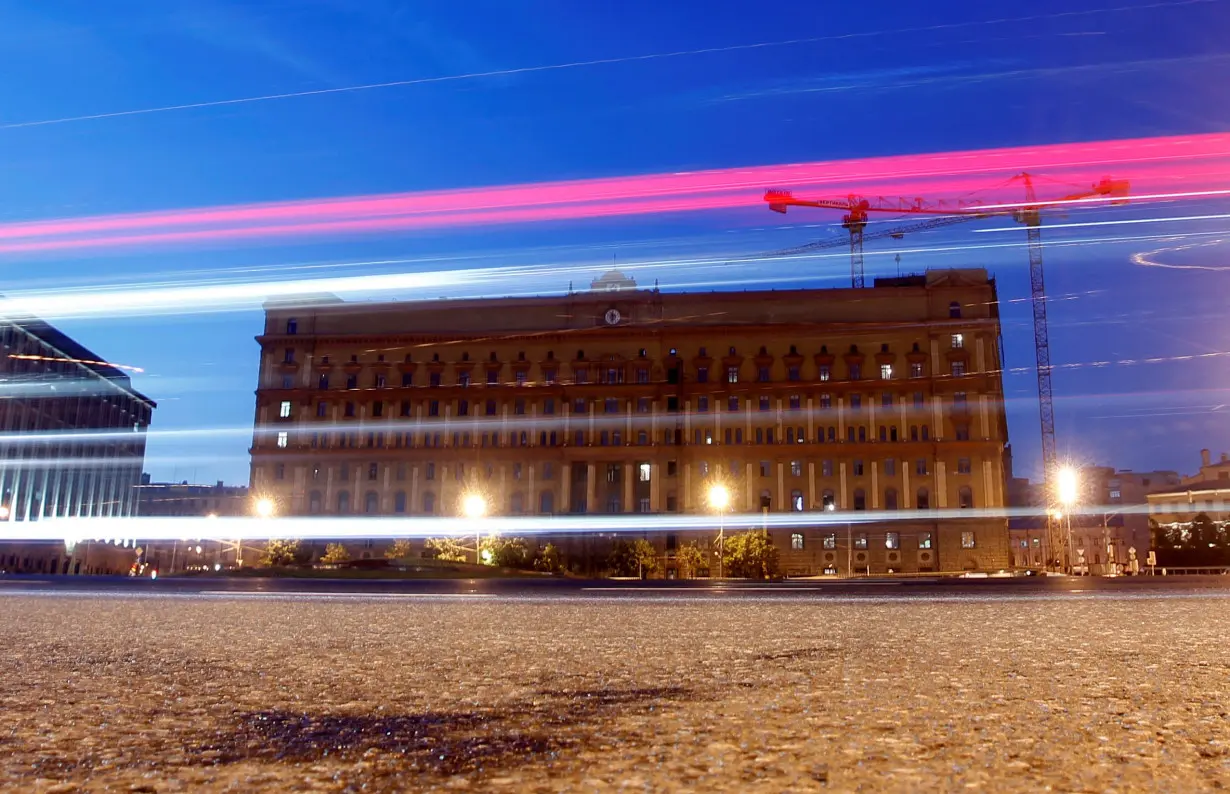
1159, 168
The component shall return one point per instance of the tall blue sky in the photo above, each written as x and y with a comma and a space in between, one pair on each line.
874, 80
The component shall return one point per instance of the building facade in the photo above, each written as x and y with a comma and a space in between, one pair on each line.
628, 401
74, 443
1207, 492
184, 499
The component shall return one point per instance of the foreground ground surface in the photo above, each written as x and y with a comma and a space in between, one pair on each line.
1115, 687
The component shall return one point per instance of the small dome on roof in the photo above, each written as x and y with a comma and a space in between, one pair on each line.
612, 281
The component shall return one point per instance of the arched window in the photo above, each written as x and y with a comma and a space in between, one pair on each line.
965, 497
315, 503
371, 503
924, 499
429, 503
546, 502
399, 502
517, 503
890, 499
343, 502
954, 310
860, 499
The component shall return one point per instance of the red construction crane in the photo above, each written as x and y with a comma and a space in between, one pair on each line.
1028, 213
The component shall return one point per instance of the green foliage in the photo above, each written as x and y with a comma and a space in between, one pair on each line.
750, 555
335, 553
400, 550
638, 558
280, 552
548, 560
690, 558
448, 549
507, 552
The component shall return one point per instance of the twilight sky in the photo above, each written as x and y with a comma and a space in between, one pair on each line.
1137, 313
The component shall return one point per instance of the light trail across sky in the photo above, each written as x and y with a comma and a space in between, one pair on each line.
1160, 169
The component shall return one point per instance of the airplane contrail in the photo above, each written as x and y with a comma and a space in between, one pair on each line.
582, 64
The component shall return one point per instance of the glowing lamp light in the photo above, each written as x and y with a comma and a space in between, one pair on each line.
4, 512
1067, 486
474, 506
719, 497
488, 556
264, 508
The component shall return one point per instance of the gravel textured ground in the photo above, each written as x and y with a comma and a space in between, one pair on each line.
177, 694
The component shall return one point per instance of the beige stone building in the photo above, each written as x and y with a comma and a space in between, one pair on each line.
1207, 491
884, 402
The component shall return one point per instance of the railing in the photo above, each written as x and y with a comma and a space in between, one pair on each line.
1188, 570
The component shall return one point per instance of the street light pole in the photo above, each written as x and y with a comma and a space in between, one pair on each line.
719, 500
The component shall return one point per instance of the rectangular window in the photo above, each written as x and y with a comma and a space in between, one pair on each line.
826, 468
288, 381
919, 401
764, 402
962, 432
407, 379
732, 374
643, 405
958, 341
643, 472
826, 401
672, 468
856, 371
288, 355
765, 468
348, 410
642, 375
796, 402
762, 374
732, 403
283, 438
548, 375
856, 401
642, 504
381, 380
284, 409
493, 377
405, 408
958, 369
521, 377
279, 471
433, 408
793, 373
892, 540
967, 540
516, 471
702, 374
886, 371
463, 379
378, 408
610, 405
890, 467
578, 405
858, 468
322, 382
886, 400
581, 376
373, 471
702, 404
963, 466
322, 409
292, 326
959, 399
924, 540
519, 406
916, 369
796, 468
920, 466
860, 540
825, 372
463, 407
796, 541
830, 541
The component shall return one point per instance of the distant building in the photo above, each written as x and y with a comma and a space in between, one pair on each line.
169, 499
1027, 533
1207, 491
53, 386
1109, 537
623, 400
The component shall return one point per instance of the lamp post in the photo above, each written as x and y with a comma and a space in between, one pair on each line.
719, 500
264, 508
1068, 484
474, 507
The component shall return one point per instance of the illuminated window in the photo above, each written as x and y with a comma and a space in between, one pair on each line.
886, 371
796, 541
967, 540
796, 468
825, 372
830, 541
860, 540
644, 472
892, 540
796, 501
958, 341
924, 540
732, 374
284, 409
916, 369
283, 438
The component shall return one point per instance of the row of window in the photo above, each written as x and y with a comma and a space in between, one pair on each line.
610, 405
614, 504
609, 438
609, 376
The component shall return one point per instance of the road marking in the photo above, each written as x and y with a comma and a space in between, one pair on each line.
720, 589
24, 583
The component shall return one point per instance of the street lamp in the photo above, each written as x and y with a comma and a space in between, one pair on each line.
474, 507
719, 500
264, 507
1067, 490
4, 512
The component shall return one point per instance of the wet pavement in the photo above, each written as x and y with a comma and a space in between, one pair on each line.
110, 687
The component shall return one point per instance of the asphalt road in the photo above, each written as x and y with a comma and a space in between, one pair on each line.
260, 685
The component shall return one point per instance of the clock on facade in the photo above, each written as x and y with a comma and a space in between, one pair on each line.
612, 316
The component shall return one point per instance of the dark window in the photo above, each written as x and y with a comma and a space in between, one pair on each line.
292, 326
378, 408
